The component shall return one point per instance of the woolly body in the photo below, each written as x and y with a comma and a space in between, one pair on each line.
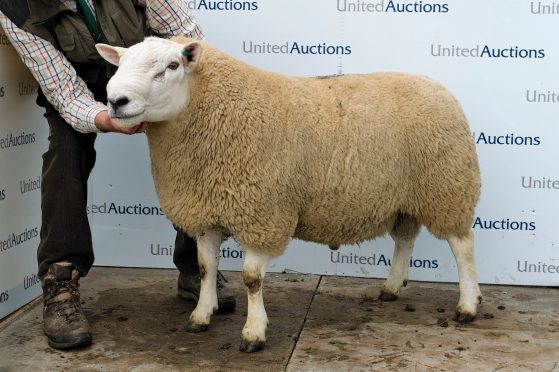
335, 160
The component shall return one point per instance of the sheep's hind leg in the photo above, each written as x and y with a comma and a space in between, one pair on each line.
470, 295
405, 231
254, 332
208, 261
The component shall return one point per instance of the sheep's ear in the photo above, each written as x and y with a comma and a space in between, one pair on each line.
191, 53
110, 53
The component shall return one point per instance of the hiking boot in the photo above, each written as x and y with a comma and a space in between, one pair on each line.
63, 321
189, 289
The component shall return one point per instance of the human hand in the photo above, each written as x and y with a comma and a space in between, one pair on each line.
105, 123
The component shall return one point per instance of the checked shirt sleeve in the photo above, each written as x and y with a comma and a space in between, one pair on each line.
172, 18
57, 78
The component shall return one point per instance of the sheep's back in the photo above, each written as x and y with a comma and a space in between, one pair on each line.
388, 143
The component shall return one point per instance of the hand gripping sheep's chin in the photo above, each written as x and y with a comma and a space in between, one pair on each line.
127, 119
130, 121
130, 117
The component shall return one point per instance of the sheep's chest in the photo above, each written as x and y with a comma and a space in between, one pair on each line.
179, 180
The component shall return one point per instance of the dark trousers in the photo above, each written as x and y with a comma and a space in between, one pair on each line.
65, 233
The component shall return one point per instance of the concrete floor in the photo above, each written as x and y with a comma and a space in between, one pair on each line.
317, 323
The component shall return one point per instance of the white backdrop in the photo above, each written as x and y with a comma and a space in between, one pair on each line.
515, 231
23, 138
498, 57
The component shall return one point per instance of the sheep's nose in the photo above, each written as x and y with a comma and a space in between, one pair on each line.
119, 102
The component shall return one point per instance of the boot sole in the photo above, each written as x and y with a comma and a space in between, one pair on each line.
78, 341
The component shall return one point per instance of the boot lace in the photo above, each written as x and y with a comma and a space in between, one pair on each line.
68, 308
220, 280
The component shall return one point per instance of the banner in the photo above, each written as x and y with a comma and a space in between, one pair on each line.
23, 139
497, 57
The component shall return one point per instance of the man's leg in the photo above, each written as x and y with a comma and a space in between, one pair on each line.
185, 258
65, 250
185, 255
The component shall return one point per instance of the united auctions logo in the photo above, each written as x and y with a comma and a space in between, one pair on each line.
251, 47
159, 250
222, 5
540, 267
486, 51
529, 182
29, 184
541, 7
124, 209
15, 239
225, 252
30, 281
381, 260
27, 89
509, 139
14, 140
504, 224
391, 7
4, 296
536, 96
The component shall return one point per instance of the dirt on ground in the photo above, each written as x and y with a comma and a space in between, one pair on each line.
317, 323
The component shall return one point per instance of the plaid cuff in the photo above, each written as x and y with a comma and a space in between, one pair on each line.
88, 125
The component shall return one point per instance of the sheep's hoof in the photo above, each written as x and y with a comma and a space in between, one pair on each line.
463, 317
251, 346
385, 296
196, 328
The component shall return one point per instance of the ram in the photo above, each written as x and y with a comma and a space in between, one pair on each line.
265, 158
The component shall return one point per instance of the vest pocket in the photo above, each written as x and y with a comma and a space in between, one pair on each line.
76, 42
78, 50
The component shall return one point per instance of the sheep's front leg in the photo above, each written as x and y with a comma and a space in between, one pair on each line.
254, 331
470, 295
208, 261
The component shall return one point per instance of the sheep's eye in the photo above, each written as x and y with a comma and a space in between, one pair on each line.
173, 66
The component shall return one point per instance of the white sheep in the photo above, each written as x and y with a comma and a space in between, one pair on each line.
265, 157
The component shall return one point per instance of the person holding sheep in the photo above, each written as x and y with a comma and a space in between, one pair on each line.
56, 40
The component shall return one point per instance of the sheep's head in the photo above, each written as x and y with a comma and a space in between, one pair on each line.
152, 80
